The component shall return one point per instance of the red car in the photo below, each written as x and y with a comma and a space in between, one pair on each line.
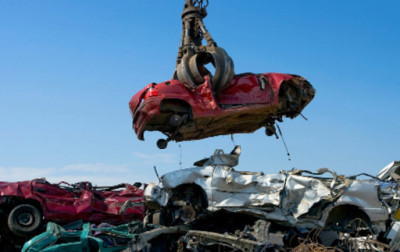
25, 205
249, 102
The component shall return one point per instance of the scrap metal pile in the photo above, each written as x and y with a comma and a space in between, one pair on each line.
27, 206
211, 206
251, 211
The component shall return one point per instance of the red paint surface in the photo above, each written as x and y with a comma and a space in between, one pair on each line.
242, 98
62, 203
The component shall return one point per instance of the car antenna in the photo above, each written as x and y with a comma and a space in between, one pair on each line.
155, 170
284, 142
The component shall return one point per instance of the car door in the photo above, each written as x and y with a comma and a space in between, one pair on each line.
63, 201
246, 90
55, 198
246, 189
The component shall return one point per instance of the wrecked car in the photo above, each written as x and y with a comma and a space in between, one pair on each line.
339, 206
26, 205
82, 237
249, 102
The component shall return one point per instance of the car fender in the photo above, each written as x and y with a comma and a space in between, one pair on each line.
359, 194
156, 196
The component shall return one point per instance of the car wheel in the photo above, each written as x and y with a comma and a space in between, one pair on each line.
162, 143
349, 223
187, 204
175, 120
269, 131
24, 220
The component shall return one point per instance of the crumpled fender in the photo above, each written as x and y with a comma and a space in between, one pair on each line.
156, 196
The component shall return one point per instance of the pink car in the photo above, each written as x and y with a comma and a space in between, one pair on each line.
25, 205
249, 102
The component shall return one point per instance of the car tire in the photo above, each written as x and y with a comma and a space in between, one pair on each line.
269, 131
175, 120
24, 220
162, 143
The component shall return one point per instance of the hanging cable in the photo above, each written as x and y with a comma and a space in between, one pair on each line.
233, 140
180, 155
284, 142
305, 118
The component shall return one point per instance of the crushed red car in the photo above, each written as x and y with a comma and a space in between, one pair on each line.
248, 102
25, 206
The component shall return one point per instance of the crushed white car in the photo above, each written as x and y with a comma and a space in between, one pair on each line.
338, 205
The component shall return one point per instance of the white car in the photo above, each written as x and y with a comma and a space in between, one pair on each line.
296, 198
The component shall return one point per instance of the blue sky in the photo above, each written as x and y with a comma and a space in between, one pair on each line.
69, 68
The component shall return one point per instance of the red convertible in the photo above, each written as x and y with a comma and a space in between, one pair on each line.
248, 102
26, 205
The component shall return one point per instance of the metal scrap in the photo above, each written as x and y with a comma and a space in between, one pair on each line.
67, 202
82, 237
346, 210
143, 241
196, 239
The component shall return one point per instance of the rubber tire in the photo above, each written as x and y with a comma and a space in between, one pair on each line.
175, 120
17, 228
269, 132
162, 143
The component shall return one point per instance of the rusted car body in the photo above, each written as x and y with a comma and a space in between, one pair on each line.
296, 198
25, 204
249, 102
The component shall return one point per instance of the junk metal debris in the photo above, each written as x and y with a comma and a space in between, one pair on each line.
212, 207
25, 206
82, 237
200, 239
249, 102
159, 238
344, 210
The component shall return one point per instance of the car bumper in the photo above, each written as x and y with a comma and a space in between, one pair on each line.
143, 114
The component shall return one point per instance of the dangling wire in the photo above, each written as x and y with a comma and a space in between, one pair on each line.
284, 142
305, 118
180, 155
233, 140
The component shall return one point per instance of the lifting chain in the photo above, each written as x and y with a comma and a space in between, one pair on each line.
193, 55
